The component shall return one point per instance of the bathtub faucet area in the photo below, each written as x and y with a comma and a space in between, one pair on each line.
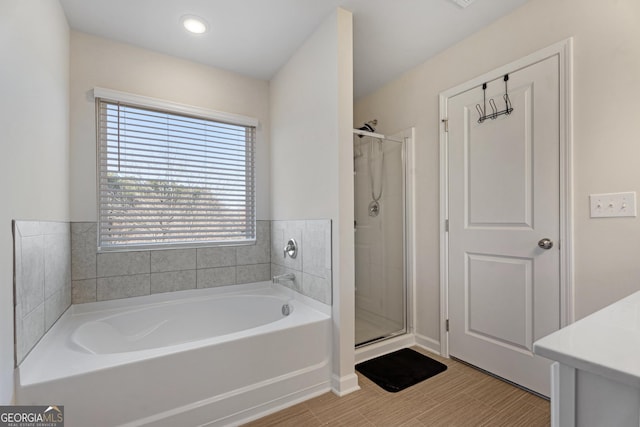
288, 276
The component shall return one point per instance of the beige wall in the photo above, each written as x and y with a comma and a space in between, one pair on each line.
606, 134
34, 132
304, 130
103, 63
311, 106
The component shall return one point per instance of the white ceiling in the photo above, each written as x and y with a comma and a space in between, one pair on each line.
256, 37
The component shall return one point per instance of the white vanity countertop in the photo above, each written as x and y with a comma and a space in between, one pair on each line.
606, 342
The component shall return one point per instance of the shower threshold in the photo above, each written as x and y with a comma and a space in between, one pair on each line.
369, 341
380, 339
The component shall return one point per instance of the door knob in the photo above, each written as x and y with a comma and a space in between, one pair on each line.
545, 243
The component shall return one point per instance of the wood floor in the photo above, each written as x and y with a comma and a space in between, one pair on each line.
460, 396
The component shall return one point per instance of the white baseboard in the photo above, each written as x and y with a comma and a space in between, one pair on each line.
341, 386
428, 344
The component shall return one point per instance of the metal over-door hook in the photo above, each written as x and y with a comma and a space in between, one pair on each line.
291, 249
482, 110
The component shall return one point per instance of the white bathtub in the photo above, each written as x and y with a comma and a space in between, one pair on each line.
217, 356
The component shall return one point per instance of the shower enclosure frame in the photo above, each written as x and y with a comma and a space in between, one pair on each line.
404, 138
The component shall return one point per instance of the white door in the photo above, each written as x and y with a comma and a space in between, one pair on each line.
504, 198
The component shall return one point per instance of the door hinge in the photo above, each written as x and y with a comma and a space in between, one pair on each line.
446, 124
446, 225
446, 325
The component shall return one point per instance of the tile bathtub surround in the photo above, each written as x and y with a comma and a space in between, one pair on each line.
42, 279
312, 265
113, 275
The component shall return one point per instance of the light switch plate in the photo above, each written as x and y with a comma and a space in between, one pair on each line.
613, 204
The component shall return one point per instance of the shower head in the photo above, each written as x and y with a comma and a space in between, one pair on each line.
368, 127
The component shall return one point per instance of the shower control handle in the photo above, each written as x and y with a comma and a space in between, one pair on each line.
291, 249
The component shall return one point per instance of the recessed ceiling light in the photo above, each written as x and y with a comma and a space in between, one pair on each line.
194, 24
463, 3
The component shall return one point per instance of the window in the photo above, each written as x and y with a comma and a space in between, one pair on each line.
168, 178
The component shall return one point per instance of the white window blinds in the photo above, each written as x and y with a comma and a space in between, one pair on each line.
172, 179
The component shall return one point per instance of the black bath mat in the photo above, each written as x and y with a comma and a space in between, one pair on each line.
400, 369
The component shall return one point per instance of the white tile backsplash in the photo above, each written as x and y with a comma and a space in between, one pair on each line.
173, 260
253, 273
315, 287
57, 260
312, 265
123, 263
116, 287
316, 259
168, 269
32, 329
170, 281
84, 243
260, 252
55, 305
83, 291
42, 279
29, 228
32, 283
219, 276
216, 257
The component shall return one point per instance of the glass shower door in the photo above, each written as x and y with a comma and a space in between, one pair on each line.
379, 239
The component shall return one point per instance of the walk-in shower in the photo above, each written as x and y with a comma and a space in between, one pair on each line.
380, 243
